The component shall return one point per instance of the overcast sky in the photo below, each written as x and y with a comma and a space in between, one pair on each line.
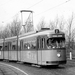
47, 9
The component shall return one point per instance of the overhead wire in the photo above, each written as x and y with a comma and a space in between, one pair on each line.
52, 8
5, 3
41, 12
29, 7
26, 8
35, 4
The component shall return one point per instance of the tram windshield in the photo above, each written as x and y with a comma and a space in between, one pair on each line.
56, 42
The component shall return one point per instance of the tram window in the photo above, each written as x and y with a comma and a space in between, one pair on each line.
33, 44
1, 48
43, 42
29, 45
10, 46
13, 47
6, 48
26, 46
56, 42
49, 42
38, 43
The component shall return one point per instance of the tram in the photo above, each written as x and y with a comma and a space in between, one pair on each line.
45, 47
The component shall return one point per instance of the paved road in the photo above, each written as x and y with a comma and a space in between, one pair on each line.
67, 69
6, 69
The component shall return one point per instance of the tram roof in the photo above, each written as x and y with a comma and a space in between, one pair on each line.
11, 38
31, 34
39, 33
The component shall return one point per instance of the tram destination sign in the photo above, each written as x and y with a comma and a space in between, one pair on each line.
57, 35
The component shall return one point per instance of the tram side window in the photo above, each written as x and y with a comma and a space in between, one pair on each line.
39, 45
30, 45
1, 48
33, 45
43, 43
49, 43
13, 47
26, 46
6, 48
10, 46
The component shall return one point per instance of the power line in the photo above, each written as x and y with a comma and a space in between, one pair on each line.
41, 12
5, 3
35, 4
27, 8
52, 8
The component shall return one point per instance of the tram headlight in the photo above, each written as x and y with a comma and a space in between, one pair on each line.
58, 55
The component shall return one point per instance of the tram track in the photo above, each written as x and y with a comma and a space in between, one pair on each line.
67, 69
14, 71
2, 72
8, 71
5, 72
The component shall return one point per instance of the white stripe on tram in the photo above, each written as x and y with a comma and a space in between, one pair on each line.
15, 68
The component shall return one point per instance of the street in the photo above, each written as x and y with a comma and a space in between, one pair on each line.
67, 69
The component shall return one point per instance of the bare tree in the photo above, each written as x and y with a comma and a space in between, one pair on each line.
51, 25
29, 26
5, 32
61, 23
15, 27
2, 35
71, 33
57, 23
41, 24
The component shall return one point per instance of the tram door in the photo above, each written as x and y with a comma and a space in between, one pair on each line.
1, 50
19, 51
41, 47
6, 53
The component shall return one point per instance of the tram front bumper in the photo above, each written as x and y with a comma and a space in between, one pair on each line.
56, 62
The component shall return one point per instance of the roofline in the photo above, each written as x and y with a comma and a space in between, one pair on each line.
30, 33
